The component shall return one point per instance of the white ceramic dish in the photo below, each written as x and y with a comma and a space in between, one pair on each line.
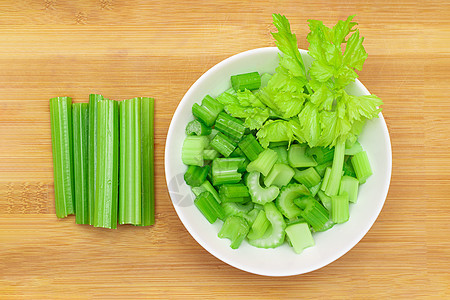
282, 261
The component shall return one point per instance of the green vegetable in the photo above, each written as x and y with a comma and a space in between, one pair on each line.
274, 235
222, 144
309, 177
300, 237
206, 186
93, 101
349, 185
208, 111
225, 170
282, 154
62, 147
280, 175
236, 209
298, 158
259, 226
258, 193
106, 193
196, 127
233, 190
334, 179
250, 147
230, 126
339, 208
249, 81
285, 201
209, 207
195, 175
264, 162
80, 118
312, 211
361, 165
235, 229
192, 151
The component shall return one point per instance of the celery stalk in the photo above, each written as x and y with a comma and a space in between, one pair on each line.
62, 147
93, 101
106, 192
80, 118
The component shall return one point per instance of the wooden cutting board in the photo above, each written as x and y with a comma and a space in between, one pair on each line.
123, 49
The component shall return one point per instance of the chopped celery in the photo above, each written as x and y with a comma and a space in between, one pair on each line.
130, 162
80, 118
339, 208
354, 149
295, 220
207, 186
250, 147
334, 180
265, 79
312, 211
106, 193
326, 200
329, 224
192, 151
282, 154
300, 237
323, 167
236, 209
234, 199
309, 177
233, 190
196, 127
225, 170
235, 229
209, 207
259, 194
223, 144
250, 81
361, 165
298, 158
231, 127
259, 226
210, 154
264, 163
321, 154
197, 190
349, 185
208, 111
195, 175
315, 189
326, 177
227, 98
237, 153
285, 201
348, 167
274, 235
93, 101
61, 127
280, 175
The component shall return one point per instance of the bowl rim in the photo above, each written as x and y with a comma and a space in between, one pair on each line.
203, 243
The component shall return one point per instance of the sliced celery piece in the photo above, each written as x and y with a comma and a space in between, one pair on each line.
334, 180
209, 207
309, 177
80, 118
93, 101
323, 167
196, 127
259, 194
235, 229
312, 211
285, 201
259, 226
298, 158
236, 209
282, 154
250, 81
264, 163
208, 111
210, 154
192, 150
354, 149
225, 170
300, 237
280, 175
361, 165
250, 147
348, 167
315, 189
195, 175
106, 192
231, 127
326, 200
274, 235
233, 190
326, 178
223, 144
340, 208
349, 185
321, 154
62, 148
130, 162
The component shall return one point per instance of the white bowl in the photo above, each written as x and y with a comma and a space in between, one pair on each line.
282, 261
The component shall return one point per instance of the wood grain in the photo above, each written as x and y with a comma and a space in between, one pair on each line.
131, 48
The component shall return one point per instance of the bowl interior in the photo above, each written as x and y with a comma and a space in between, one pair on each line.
282, 261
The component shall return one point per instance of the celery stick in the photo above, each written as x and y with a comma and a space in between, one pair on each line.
349, 185
298, 158
196, 127
280, 175
192, 150
130, 162
339, 208
264, 162
80, 118
259, 194
300, 237
312, 211
106, 193
147, 162
285, 201
309, 177
195, 175
334, 180
235, 229
236, 209
93, 101
259, 226
274, 236
361, 165
250, 81
250, 146
61, 128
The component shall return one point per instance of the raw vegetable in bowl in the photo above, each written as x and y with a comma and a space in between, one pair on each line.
276, 156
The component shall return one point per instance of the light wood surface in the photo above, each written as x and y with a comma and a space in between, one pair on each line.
159, 48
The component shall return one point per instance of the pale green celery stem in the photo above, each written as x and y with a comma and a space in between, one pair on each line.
336, 169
